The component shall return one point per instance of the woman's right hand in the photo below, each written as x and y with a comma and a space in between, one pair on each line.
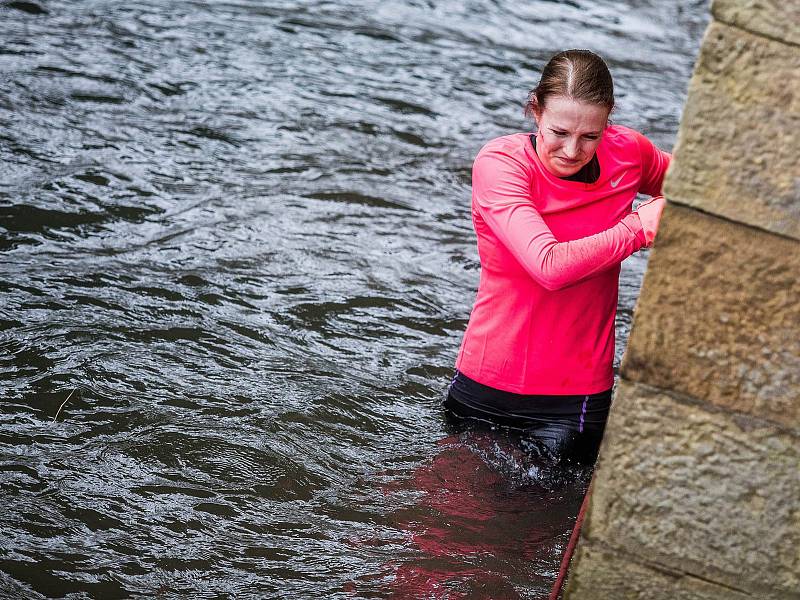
650, 214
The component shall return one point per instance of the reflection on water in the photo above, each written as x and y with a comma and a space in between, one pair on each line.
239, 232
489, 519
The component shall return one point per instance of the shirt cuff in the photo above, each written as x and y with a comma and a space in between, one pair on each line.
634, 223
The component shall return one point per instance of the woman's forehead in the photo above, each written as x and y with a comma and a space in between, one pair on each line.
568, 113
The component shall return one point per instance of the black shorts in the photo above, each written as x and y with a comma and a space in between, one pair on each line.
568, 427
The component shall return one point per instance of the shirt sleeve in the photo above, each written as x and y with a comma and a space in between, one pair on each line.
501, 192
655, 163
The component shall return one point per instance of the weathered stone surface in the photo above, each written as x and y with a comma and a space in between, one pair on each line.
718, 317
777, 19
737, 148
600, 574
697, 490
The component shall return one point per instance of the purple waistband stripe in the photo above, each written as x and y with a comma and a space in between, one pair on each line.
583, 412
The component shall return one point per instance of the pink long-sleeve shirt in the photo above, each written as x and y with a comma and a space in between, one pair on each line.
550, 252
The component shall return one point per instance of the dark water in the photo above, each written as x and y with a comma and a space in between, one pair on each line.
237, 233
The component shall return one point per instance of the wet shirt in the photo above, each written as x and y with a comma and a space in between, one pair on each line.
550, 251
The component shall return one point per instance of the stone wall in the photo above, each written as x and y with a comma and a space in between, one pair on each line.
697, 490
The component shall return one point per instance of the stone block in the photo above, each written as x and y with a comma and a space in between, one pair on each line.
776, 19
600, 573
737, 149
718, 317
697, 491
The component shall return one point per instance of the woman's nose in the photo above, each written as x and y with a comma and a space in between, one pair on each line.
571, 148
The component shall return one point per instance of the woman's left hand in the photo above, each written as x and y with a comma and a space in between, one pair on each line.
650, 215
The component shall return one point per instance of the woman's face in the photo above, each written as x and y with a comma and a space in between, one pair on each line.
569, 133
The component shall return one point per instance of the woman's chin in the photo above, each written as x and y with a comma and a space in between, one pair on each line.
562, 169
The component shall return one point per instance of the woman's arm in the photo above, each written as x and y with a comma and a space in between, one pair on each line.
655, 163
501, 192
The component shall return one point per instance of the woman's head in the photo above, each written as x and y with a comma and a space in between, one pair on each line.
571, 105
580, 75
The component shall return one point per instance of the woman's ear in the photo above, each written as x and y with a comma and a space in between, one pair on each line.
535, 110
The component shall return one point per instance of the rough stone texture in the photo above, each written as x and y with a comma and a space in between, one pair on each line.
617, 576
736, 153
718, 317
776, 19
696, 491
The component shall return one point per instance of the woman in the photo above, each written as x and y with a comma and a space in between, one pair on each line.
552, 213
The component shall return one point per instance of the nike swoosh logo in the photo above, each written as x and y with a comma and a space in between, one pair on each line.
616, 183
